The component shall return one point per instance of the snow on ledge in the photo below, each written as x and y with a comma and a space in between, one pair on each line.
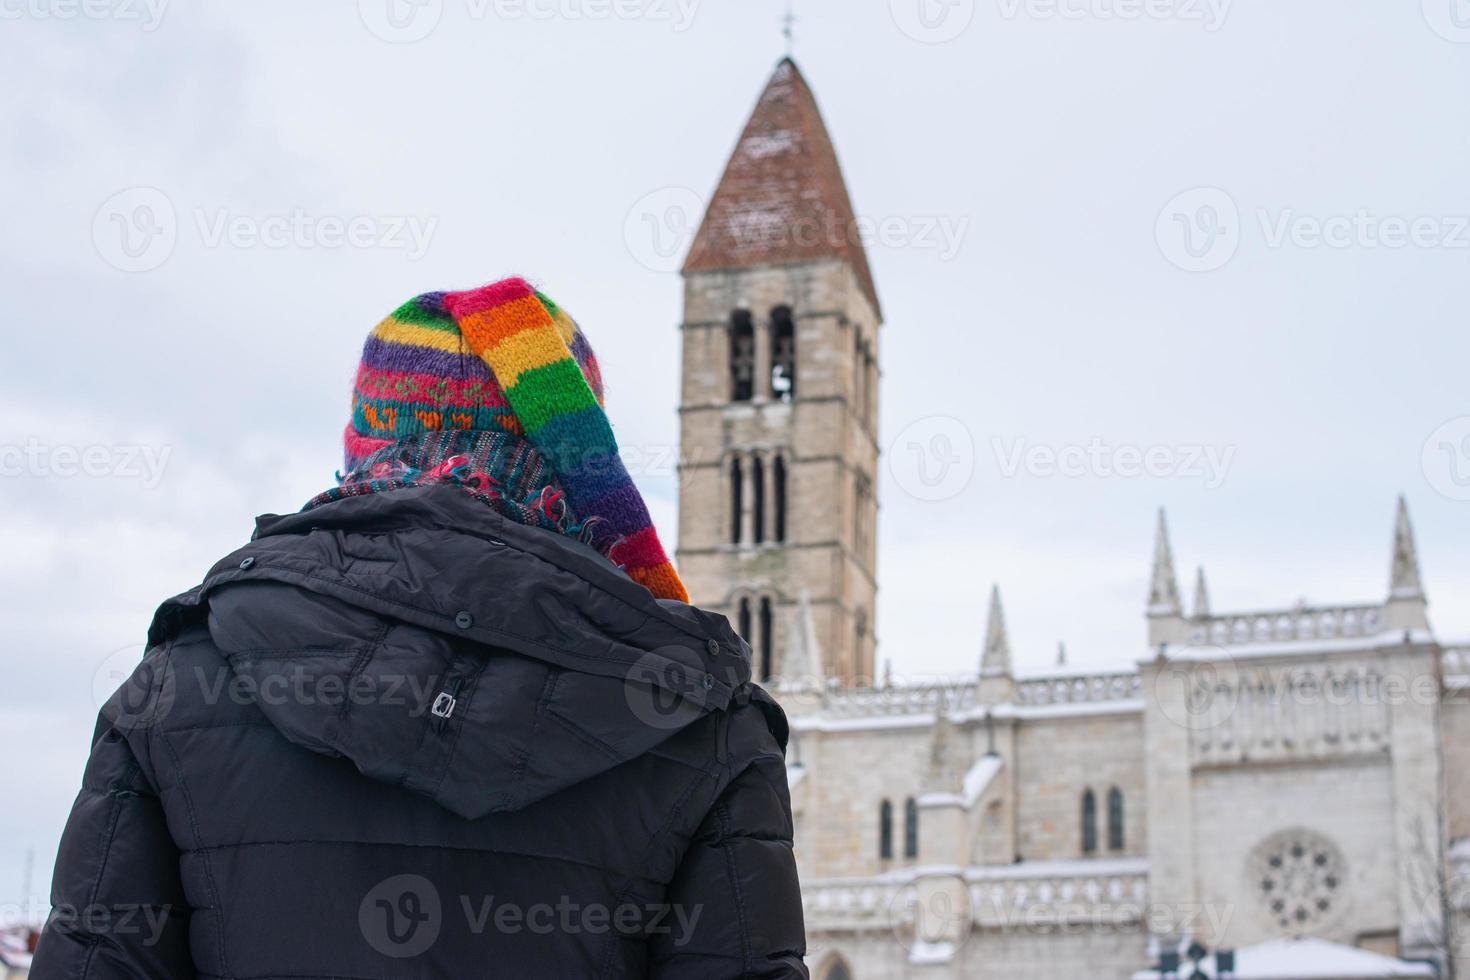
1298, 649
972, 787
1310, 959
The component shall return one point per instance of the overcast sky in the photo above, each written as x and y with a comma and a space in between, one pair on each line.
1228, 239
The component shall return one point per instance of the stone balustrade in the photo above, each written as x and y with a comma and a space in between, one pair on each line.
1079, 689
1282, 626
1019, 896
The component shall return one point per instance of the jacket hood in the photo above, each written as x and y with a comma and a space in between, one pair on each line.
440, 647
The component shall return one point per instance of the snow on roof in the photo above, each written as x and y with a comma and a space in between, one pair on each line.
782, 199
1307, 958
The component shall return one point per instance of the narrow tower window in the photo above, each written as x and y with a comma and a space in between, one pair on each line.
1089, 823
742, 356
759, 479
766, 638
885, 830
744, 620
783, 353
1115, 819
911, 828
862, 500
737, 499
779, 479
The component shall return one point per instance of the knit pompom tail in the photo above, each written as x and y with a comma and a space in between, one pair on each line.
661, 580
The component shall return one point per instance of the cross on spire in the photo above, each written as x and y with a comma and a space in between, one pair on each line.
788, 24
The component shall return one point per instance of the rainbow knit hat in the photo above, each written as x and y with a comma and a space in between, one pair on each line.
505, 358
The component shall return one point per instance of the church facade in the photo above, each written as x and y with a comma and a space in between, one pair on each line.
1284, 789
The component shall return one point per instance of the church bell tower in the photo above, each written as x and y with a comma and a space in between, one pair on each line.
779, 405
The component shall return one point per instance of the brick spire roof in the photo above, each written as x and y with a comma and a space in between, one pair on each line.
782, 200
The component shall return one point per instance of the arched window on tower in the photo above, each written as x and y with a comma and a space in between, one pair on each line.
1115, 819
911, 828
862, 505
870, 388
737, 499
744, 620
859, 638
758, 477
1089, 822
742, 356
766, 639
779, 481
885, 830
783, 353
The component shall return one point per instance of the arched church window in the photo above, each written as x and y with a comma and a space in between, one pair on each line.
911, 828
1115, 819
860, 635
766, 638
885, 830
743, 618
737, 499
839, 970
779, 482
1089, 822
783, 353
758, 478
742, 356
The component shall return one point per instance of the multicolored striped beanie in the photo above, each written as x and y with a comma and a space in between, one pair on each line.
505, 359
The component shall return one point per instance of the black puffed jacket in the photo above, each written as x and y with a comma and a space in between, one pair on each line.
397, 736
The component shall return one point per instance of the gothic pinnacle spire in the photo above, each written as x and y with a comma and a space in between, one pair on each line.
996, 660
1404, 581
1163, 592
943, 773
1201, 594
802, 666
